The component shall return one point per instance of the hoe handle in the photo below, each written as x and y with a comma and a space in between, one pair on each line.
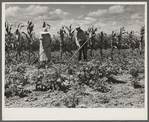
78, 50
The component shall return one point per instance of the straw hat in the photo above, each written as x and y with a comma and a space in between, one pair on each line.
44, 31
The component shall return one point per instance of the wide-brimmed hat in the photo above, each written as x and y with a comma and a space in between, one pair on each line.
44, 31
78, 26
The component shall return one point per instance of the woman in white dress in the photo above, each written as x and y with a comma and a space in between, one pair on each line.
45, 46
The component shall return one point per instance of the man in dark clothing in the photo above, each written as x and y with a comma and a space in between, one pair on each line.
80, 40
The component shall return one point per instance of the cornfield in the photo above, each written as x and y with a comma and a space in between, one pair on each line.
113, 73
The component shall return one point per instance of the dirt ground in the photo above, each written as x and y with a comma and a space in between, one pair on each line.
120, 94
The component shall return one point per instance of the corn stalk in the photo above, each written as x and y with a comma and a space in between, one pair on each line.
9, 37
61, 32
91, 32
142, 33
101, 47
70, 33
119, 35
30, 29
23, 40
112, 39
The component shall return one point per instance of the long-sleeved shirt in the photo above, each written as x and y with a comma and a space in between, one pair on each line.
80, 36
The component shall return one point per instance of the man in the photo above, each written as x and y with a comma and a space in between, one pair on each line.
80, 40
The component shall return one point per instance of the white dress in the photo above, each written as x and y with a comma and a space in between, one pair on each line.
42, 54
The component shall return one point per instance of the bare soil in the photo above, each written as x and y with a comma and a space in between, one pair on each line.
121, 93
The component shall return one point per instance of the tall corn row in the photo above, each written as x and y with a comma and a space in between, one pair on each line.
101, 47
122, 31
119, 36
70, 34
62, 31
142, 32
112, 48
30, 29
92, 34
132, 43
8, 35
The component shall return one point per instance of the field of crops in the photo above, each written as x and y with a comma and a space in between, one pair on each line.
96, 83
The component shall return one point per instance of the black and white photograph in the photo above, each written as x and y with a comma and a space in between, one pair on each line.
77, 56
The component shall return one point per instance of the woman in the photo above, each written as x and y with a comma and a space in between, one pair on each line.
45, 46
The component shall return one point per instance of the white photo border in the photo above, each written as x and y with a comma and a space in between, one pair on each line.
74, 114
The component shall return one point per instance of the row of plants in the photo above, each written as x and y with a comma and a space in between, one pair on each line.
98, 75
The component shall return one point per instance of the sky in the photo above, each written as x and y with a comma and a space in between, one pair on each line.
103, 16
